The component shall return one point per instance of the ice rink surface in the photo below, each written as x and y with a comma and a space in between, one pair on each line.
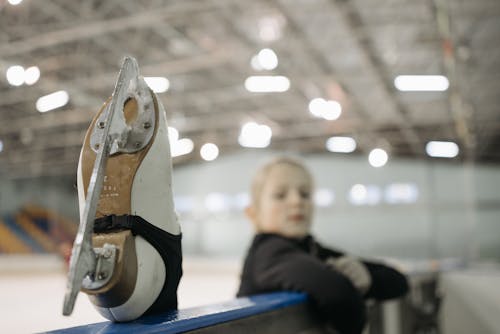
32, 290
31, 300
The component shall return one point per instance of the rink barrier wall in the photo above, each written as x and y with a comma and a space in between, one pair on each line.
284, 312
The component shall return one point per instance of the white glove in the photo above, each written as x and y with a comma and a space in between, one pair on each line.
354, 270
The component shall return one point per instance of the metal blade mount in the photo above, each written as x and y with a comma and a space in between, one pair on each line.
83, 258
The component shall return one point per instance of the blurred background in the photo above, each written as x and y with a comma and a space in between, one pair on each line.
393, 105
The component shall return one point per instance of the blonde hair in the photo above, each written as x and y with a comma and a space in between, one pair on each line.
262, 174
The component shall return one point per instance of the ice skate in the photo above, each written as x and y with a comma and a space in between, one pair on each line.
127, 253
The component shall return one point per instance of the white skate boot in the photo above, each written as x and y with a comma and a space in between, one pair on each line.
127, 254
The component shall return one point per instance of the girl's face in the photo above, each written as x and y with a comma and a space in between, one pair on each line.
285, 205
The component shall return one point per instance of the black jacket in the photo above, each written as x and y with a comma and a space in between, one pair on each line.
276, 263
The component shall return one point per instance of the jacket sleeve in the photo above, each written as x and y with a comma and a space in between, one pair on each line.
280, 266
387, 283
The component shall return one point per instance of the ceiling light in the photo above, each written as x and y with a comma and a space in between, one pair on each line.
178, 146
255, 63
267, 59
209, 151
316, 106
31, 75
332, 110
324, 197
358, 194
341, 144
408, 83
15, 2
255, 135
327, 109
15, 75
361, 194
378, 157
52, 101
217, 202
442, 149
267, 84
158, 84
270, 28
401, 193
181, 147
173, 134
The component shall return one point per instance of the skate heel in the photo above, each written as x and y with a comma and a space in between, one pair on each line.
111, 288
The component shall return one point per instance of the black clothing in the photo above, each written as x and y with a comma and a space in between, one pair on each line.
276, 262
166, 244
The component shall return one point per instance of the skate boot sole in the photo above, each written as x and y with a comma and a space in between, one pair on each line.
115, 199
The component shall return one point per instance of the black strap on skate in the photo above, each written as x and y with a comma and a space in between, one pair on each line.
114, 223
168, 246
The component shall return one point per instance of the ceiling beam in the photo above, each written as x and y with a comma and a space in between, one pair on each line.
457, 100
353, 23
106, 26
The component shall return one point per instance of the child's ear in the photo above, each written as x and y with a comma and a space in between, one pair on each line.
251, 213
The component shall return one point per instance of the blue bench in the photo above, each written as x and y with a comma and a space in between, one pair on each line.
283, 312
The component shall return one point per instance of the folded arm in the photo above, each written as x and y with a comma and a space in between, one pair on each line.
282, 267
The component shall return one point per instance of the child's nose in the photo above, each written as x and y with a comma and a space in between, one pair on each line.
295, 197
